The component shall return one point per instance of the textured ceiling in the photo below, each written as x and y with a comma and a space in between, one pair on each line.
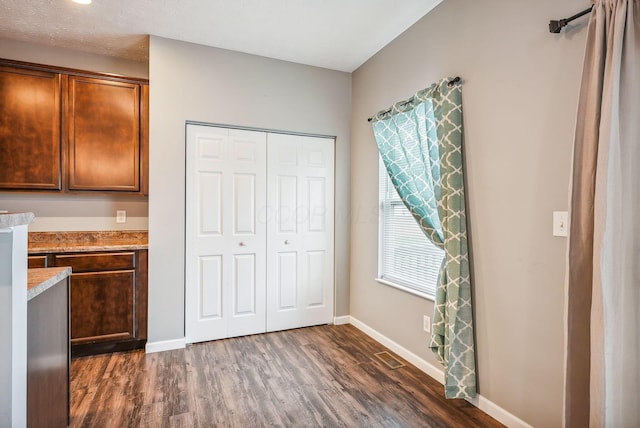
335, 34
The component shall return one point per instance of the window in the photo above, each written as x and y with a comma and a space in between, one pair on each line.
407, 259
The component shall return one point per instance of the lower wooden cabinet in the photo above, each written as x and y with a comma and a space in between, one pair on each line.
108, 310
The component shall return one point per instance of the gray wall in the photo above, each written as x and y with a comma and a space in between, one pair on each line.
193, 82
68, 212
520, 92
61, 57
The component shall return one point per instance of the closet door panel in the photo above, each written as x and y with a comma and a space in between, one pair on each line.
205, 255
287, 203
315, 274
244, 285
316, 193
226, 175
210, 287
300, 240
244, 215
246, 237
210, 207
286, 281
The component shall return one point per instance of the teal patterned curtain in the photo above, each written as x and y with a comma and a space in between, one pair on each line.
420, 142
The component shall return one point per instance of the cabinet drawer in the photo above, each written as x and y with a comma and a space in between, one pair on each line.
96, 262
37, 262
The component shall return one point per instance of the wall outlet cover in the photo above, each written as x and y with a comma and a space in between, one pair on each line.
560, 223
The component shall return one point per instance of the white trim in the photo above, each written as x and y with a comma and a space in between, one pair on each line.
405, 289
165, 345
250, 128
346, 319
428, 368
498, 413
437, 373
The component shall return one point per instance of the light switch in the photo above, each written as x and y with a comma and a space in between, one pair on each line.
121, 216
560, 223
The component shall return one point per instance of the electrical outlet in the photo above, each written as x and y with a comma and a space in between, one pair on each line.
426, 324
121, 216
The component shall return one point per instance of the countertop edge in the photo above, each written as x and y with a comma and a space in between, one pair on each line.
15, 219
40, 280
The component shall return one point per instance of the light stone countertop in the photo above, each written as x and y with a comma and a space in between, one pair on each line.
40, 280
15, 219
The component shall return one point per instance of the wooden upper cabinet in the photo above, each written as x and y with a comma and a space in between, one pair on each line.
104, 135
67, 130
144, 139
30, 141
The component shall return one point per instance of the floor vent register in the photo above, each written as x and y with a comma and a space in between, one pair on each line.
391, 361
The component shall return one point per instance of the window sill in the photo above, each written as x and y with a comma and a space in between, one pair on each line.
406, 289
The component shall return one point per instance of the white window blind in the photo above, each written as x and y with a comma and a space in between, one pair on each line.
407, 259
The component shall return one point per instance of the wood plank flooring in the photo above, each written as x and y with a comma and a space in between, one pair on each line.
325, 376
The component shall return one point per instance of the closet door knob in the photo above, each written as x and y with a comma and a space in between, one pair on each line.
286, 242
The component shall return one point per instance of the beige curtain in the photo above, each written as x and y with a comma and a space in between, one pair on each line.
602, 387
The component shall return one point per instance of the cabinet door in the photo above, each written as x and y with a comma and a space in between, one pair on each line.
29, 129
102, 306
103, 122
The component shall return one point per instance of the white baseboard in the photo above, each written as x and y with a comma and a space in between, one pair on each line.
165, 345
342, 320
428, 368
437, 373
498, 413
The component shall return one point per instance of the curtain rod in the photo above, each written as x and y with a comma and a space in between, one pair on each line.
410, 100
556, 26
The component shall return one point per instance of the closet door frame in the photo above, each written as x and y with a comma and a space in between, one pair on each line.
265, 215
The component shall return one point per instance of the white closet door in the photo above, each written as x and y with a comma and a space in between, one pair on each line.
225, 241
300, 231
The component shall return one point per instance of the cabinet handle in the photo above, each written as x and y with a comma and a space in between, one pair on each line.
286, 242
242, 244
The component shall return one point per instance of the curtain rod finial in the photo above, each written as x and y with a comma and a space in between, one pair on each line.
556, 26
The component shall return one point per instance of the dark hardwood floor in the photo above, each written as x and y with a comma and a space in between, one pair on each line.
319, 376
